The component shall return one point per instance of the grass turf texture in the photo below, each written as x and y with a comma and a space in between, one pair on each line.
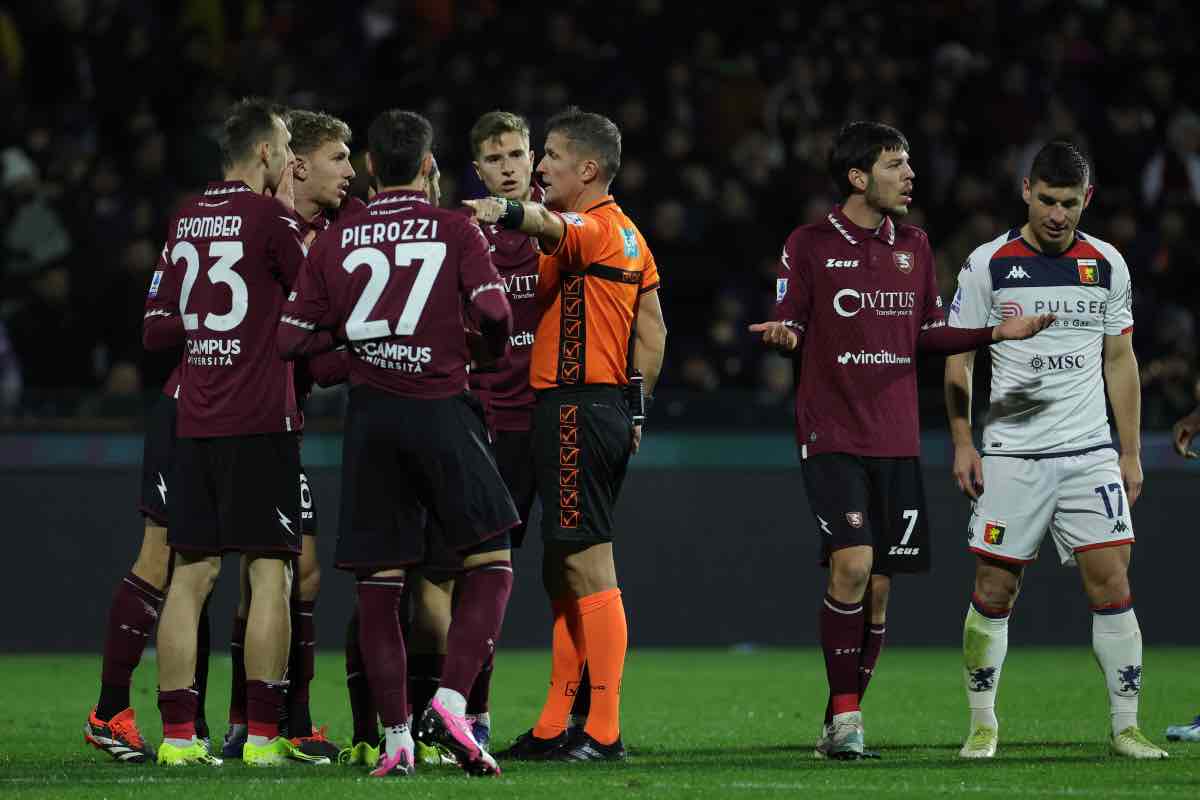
696, 722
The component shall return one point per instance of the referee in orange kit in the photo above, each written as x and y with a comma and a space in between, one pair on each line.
596, 357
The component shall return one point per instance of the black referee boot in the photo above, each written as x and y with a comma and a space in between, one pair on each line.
528, 747
582, 747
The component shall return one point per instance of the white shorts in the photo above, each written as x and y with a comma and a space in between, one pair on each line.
1080, 499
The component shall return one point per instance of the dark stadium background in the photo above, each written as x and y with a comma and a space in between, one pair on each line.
109, 114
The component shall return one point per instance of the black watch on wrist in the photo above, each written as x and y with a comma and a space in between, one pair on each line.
514, 214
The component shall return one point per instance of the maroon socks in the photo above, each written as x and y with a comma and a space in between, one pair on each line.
382, 646
481, 596
842, 627
131, 619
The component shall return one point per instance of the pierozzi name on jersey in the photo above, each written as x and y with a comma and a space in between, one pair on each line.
381, 232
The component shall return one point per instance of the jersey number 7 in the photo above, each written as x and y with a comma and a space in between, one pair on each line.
430, 254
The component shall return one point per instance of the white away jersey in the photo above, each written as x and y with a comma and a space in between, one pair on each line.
1048, 391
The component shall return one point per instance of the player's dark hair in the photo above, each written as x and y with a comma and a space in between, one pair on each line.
247, 123
312, 129
495, 124
397, 141
1060, 164
595, 134
857, 146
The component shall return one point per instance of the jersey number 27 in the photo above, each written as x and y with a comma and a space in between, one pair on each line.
430, 254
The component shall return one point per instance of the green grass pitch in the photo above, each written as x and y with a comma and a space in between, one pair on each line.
698, 723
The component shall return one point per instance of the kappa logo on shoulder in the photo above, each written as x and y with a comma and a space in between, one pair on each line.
1017, 273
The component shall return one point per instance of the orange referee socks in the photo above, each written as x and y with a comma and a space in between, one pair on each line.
606, 638
566, 666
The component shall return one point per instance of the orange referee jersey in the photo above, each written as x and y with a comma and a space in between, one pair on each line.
589, 289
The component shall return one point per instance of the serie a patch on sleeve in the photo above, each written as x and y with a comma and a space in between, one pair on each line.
780, 289
155, 282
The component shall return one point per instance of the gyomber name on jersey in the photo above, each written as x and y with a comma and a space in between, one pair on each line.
395, 356
208, 227
213, 352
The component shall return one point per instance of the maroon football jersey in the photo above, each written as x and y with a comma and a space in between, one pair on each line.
393, 280
326, 217
232, 257
505, 391
326, 369
859, 299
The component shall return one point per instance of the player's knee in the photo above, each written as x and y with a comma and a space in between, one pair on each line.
1109, 588
153, 565
270, 575
996, 588
195, 576
585, 575
849, 577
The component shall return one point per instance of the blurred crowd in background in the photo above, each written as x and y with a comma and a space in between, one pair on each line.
111, 109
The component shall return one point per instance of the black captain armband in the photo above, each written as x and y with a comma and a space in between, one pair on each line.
514, 214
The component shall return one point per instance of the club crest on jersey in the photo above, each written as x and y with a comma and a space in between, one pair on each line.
780, 289
904, 261
155, 282
993, 532
571, 218
854, 518
1089, 271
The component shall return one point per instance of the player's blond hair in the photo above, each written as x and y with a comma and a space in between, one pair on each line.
495, 124
311, 129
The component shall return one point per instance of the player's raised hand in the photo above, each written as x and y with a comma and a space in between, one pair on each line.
1022, 327
487, 209
968, 471
777, 335
1183, 432
286, 191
